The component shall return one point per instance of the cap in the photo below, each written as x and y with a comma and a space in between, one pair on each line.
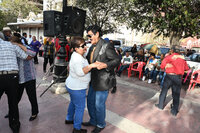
6, 29
106, 39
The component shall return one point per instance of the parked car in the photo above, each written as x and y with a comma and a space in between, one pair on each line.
193, 61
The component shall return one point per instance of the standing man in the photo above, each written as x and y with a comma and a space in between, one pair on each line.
35, 44
174, 67
9, 79
7, 33
101, 77
49, 51
23, 38
30, 39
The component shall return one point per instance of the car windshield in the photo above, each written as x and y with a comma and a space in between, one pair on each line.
193, 57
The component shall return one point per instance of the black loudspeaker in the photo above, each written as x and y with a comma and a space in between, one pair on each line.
73, 21
52, 23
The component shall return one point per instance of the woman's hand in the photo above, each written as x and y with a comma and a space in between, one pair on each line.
101, 65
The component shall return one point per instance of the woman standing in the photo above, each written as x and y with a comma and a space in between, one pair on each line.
77, 83
27, 77
49, 50
35, 44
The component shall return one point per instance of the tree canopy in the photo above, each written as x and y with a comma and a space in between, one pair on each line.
172, 18
11, 9
103, 13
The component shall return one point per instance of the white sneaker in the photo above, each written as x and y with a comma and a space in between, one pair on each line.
143, 78
149, 81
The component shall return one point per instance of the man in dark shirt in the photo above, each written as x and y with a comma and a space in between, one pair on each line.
174, 66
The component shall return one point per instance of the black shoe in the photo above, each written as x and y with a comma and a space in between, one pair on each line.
79, 131
153, 81
174, 112
69, 122
157, 105
6, 116
33, 117
87, 124
97, 130
114, 90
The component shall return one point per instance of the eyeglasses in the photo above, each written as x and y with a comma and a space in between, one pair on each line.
82, 46
89, 36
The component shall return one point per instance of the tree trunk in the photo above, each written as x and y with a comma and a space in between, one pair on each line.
174, 39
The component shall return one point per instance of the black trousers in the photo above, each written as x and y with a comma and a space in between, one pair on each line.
175, 82
36, 58
46, 60
9, 84
31, 92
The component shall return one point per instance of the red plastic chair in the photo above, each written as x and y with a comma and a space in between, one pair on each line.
194, 80
188, 73
139, 68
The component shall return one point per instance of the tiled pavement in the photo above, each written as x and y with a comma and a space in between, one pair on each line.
130, 110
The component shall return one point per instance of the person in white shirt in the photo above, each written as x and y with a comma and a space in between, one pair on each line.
125, 62
30, 39
77, 83
151, 63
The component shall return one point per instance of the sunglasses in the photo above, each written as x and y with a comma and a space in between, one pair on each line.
82, 46
89, 36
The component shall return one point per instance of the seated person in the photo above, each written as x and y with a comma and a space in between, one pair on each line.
151, 63
125, 62
157, 70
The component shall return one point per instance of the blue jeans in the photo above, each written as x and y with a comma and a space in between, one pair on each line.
76, 107
146, 73
162, 81
155, 73
122, 68
96, 104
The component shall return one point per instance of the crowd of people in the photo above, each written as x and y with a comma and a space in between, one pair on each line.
167, 70
94, 70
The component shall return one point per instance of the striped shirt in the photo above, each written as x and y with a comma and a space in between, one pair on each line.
9, 54
27, 70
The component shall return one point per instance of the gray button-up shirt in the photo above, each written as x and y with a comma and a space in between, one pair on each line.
9, 54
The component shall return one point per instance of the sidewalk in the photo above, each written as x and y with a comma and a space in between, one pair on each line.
130, 110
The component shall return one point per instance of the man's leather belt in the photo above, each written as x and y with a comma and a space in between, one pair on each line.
8, 72
171, 73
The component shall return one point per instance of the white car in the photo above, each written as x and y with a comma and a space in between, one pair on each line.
193, 61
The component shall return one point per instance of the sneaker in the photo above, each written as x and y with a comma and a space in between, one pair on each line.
143, 78
149, 81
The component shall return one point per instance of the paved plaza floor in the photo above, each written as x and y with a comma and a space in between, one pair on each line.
130, 110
